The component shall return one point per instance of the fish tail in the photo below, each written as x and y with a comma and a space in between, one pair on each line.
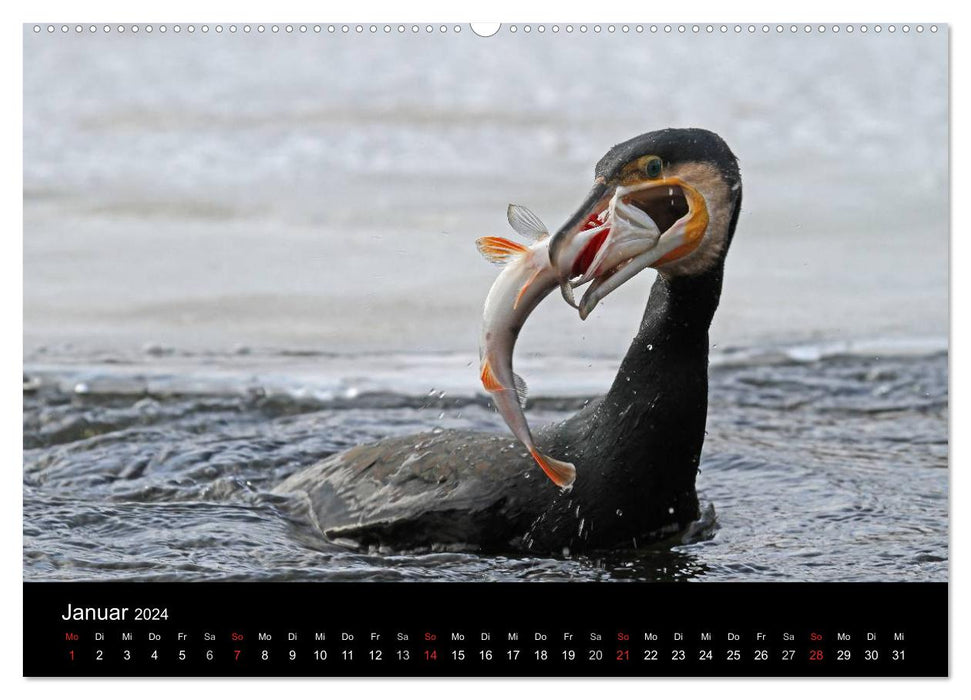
560, 473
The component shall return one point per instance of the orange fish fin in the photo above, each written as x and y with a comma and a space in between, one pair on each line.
532, 278
560, 473
499, 250
489, 380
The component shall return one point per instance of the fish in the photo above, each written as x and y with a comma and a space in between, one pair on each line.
527, 277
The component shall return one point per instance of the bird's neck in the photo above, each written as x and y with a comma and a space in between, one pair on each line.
637, 450
653, 418
673, 334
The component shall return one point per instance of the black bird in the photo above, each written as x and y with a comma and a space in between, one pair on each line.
636, 449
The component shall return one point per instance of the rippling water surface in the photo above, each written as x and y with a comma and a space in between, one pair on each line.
832, 468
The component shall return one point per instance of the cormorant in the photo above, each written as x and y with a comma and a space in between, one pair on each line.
636, 449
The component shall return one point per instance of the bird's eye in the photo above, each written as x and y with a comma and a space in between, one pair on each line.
653, 167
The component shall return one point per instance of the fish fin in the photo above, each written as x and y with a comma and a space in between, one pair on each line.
526, 223
521, 389
566, 289
560, 473
532, 278
499, 250
489, 380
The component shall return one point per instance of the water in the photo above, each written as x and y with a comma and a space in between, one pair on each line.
826, 469
245, 252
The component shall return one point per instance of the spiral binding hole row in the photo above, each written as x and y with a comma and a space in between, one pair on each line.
455, 28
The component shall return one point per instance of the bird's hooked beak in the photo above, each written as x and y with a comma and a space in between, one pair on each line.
621, 229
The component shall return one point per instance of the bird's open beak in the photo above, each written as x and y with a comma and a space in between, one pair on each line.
620, 230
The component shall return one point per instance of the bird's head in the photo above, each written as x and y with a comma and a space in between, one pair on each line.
666, 199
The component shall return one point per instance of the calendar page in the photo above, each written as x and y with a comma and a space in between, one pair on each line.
544, 349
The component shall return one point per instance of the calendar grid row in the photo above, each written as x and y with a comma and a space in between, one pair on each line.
241, 654
511, 648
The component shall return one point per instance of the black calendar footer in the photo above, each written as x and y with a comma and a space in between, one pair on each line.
485, 629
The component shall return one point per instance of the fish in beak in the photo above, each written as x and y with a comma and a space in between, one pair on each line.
618, 231
622, 229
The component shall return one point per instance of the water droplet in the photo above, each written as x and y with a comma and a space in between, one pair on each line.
527, 475
650, 346
81, 388
670, 511
566, 551
620, 513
